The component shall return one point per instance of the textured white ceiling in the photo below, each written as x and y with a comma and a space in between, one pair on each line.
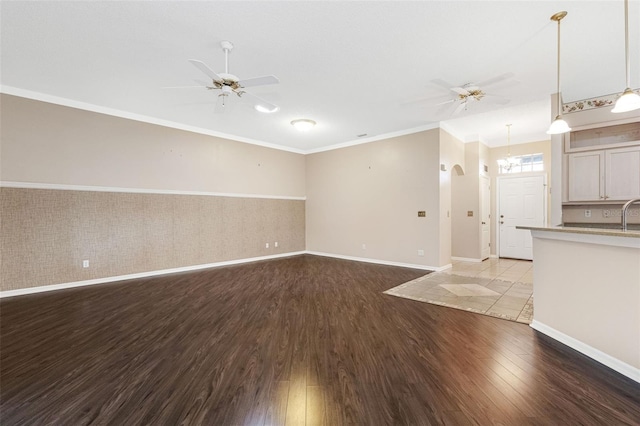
354, 67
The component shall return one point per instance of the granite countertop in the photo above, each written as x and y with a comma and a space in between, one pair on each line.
631, 233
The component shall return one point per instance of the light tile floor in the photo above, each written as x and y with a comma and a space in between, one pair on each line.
501, 288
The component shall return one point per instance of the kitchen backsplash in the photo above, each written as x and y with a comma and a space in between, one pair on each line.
586, 213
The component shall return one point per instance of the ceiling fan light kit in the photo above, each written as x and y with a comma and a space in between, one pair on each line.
629, 100
303, 124
558, 126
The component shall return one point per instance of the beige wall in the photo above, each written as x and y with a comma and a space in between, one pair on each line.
465, 233
521, 149
46, 233
370, 194
47, 143
451, 154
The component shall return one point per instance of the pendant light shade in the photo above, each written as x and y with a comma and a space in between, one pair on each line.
558, 125
628, 101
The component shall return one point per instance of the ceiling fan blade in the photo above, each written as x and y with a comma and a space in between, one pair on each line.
459, 108
182, 87
257, 101
446, 102
443, 110
259, 81
205, 69
495, 80
460, 90
425, 101
442, 83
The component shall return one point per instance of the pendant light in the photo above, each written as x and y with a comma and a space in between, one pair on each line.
629, 100
558, 125
508, 163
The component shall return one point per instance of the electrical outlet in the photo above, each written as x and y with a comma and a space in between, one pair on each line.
420, 252
275, 244
364, 247
587, 213
266, 245
85, 263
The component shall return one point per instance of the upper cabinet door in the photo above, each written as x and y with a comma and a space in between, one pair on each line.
622, 173
586, 176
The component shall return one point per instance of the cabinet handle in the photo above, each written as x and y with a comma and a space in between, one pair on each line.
501, 222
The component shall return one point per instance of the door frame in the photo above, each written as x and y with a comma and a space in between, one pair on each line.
488, 180
545, 201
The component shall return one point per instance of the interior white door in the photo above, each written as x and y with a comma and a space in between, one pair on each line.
485, 214
521, 202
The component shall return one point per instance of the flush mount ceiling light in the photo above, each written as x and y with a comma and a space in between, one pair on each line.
267, 109
628, 101
508, 163
303, 124
558, 125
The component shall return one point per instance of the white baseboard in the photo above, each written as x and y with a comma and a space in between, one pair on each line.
53, 287
466, 259
615, 364
381, 262
493, 256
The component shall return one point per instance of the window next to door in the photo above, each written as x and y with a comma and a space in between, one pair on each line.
528, 163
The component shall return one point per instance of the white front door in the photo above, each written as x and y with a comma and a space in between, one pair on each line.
521, 202
485, 222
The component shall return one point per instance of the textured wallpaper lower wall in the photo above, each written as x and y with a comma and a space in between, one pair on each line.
46, 234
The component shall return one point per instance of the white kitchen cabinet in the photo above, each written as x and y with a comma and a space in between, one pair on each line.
586, 176
622, 173
605, 175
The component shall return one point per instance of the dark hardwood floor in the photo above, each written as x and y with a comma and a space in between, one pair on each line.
302, 340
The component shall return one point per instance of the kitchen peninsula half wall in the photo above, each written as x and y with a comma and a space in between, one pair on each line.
586, 290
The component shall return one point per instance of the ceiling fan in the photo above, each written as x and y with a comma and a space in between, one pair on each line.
469, 93
230, 84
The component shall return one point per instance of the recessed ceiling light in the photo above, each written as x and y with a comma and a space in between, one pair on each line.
303, 124
266, 109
